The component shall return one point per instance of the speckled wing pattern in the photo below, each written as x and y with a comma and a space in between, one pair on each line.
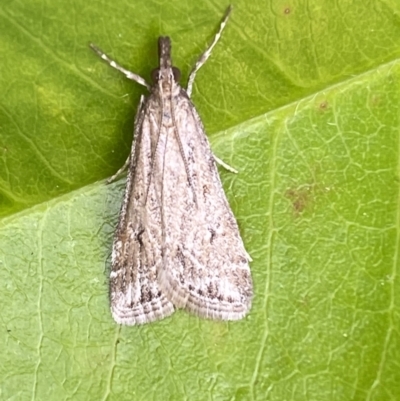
205, 265
135, 294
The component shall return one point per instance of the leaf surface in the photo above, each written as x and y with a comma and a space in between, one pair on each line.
303, 100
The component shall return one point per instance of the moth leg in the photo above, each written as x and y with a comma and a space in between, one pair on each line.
120, 171
203, 58
127, 73
224, 165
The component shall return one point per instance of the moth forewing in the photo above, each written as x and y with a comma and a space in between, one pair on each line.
205, 265
134, 292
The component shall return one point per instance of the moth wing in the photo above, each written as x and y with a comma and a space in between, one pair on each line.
205, 265
136, 297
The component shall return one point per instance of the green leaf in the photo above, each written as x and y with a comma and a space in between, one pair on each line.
303, 100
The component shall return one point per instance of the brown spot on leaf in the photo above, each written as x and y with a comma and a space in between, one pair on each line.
300, 198
375, 100
324, 105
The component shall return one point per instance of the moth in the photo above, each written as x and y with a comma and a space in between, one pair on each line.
177, 244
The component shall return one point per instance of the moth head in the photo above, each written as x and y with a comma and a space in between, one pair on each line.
165, 67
